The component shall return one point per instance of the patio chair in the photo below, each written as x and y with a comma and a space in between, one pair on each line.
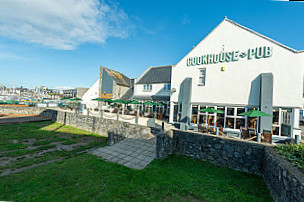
211, 130
202, 128
251, 132
244, 133
266, 136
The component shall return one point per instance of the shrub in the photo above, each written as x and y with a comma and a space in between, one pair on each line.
294, 153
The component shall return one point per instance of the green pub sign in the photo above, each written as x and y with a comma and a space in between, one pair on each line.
231, 56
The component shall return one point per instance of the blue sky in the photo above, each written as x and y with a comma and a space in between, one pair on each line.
60, 44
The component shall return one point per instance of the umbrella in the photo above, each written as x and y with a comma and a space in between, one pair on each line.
211, 110
255, 113
65, 98
134, 102
76, 99
108, 100
148, 103
119, 101
159, 104
98, 99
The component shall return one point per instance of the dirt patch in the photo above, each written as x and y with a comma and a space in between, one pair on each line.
8, 161
8, 171
15, 141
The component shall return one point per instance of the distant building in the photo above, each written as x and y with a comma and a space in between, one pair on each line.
154, 84
69, 93
81, 91
113, 85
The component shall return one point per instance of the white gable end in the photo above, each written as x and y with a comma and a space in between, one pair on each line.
235, 80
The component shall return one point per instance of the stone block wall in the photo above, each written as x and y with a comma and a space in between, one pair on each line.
89, 123
286, 182
236, 154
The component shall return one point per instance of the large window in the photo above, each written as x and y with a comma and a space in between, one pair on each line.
233, 120
206, 118
175, 112
276, 121
194, 114
202, 77
148, 87
220, 117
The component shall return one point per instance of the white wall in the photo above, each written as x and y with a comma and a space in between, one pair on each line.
92, 93
233, 86
157, 89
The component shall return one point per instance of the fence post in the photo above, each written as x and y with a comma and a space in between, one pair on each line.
117, 115
136, 118
217, 131
88, 112
297, 139
163, 125
259, 137
101, 113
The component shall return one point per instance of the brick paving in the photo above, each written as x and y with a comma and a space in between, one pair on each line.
133, 153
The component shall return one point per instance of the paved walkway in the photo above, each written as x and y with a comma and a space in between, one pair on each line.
133, 153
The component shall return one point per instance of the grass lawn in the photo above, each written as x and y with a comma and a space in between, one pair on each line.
23, 145
84, 177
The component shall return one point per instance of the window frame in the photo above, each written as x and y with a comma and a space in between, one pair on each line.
202, 74
147, 87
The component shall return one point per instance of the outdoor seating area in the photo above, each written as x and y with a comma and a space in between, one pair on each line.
249, 133
146, 109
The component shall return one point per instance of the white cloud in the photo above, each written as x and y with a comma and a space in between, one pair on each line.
62, 24
5, 55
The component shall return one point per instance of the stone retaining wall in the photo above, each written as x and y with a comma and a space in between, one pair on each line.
89, 123
236, 154
286, 183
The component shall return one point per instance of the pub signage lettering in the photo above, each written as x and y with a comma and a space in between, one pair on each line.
231, 56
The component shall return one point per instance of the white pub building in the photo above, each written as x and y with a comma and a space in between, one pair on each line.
235, 69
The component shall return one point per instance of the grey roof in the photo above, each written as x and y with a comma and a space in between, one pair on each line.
119, 78
128, 94
160, 74
153, 98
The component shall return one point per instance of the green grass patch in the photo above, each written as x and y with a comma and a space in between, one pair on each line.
293, 153
69, 142
43, 142
12, 146
87, 178
27, 151
18, 153
39, 159
45, 134
84, 177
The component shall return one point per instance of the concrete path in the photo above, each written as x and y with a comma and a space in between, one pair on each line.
12, 119
133, 153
